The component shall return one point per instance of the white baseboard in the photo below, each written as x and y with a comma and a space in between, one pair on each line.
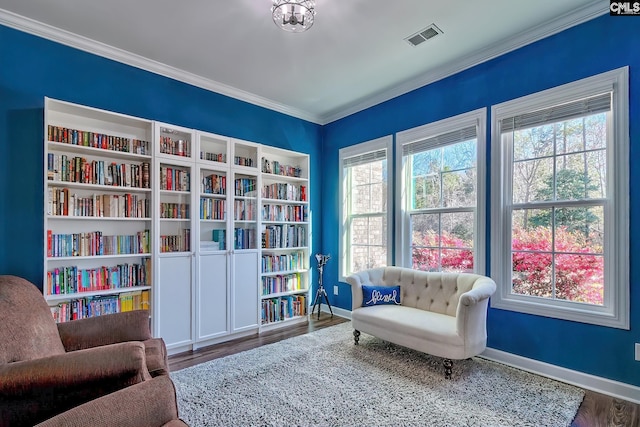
590, 382
336, 310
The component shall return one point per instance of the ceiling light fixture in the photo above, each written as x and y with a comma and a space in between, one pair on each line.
295, 16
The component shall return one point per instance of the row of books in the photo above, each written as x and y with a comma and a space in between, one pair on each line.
244, 161
71, 279
244, 238
284, 236
282, 283
297, 213
176, 242
176, 147
94, 243
288, 262
174, 179
82, 308
279, 309
213, 208
62, 168
63, 203
97, 140
213, 184
245, 187
244, 210
285, 191
174, 210
274, 167
213, 157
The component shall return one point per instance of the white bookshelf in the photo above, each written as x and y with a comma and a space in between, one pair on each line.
198, 229
98, 211
285, 227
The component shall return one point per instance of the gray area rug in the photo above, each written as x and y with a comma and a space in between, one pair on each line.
323, 379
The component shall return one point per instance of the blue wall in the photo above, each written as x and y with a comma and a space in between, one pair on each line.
33, 68
602, 44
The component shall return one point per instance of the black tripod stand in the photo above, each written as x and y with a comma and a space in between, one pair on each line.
320, 293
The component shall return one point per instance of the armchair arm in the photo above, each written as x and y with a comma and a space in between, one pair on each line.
151, 403
104, 330
33, 390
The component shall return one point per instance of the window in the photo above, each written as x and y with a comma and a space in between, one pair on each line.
365, 198
441, 197
560, 186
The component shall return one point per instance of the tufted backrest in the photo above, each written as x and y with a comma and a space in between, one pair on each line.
432, 291
28, 330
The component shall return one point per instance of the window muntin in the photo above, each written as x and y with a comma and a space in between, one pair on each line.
560, 202
442, 193
557, 208
442, 187
365, 201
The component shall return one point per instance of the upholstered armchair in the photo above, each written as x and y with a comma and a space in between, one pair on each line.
48, 368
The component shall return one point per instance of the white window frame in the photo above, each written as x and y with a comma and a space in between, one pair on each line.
476, 118
615, 309
384, 143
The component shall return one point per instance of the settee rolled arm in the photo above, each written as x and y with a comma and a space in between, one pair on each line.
471, 314
482, 289
104, 330
151, 403
33, 390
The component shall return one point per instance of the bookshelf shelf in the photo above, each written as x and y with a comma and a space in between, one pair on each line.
94, 218
87, 294
287, 321
284, 201
99, 152
284, 294
93, 257
285, 222
98, 187
284, 272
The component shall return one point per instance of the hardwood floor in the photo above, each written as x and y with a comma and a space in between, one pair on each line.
596, 410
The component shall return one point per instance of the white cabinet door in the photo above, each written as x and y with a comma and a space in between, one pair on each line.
174, 300
213, 296
245, 290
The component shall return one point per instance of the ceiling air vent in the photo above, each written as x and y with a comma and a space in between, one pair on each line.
423, 35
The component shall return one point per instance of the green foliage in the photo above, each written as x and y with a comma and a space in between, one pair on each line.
569, 185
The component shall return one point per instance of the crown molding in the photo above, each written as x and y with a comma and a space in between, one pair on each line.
561, 23
76, 41
28, 25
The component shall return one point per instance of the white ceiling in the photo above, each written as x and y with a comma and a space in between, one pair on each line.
353, 57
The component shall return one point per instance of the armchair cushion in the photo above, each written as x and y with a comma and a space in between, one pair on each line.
105, 329
151, 403
29, 332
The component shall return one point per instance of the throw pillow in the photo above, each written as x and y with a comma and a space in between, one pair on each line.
378, 295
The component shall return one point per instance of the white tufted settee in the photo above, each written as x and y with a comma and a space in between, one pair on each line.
443, 314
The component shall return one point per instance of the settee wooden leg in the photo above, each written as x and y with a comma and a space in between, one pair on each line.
448, 368
356, 336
